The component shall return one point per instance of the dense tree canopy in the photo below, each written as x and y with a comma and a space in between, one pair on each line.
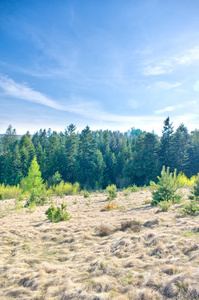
98, 158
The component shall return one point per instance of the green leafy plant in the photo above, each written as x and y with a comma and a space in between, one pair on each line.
166, 188
164, 205
195, 190
131, 189
112, 190
183, 181
66, 188
57, 214
9, 192
190, 208
56, 179
86, 194
38, 197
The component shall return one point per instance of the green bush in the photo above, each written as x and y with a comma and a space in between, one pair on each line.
131, 189
56, 179
190, 208
57, 214
9, 192
183, 181
164, 205
66, 188
112, 190
195, 190
135, 188
38, 197
166, 188
86, 194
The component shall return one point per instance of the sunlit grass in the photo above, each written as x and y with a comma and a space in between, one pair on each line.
9, 192
183, 181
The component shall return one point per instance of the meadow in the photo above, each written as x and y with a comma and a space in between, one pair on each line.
117, 249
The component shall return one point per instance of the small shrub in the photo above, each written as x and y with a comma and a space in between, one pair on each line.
131, 189
86, 194
109, 206
112, 190
9, 192
195, 190
166, 188
183, 181
66, 188
56, 179
126, 192
38, 197
88, 202
135, 188
103, 231
57, 214
76, 188
164, 205
134, 225
190, 208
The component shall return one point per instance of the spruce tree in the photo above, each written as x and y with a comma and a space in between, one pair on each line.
165, 144
34, 179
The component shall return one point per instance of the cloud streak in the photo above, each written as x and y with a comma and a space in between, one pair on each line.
175, 107
167, 85
90, 110
22, 91
169, 65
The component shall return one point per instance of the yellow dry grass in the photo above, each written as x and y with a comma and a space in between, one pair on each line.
73, 260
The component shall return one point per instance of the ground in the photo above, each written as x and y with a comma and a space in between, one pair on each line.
131, 252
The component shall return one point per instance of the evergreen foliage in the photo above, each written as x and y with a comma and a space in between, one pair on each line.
100, 158
57, 214
112, 190
195, 189
38, 197
166, 188
34, 179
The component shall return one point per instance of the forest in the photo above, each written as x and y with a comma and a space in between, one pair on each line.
96, 159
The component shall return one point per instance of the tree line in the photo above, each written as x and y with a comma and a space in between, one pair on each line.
96, 159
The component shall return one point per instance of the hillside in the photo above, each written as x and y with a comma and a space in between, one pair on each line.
132, 252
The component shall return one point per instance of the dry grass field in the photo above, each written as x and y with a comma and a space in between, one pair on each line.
131, 252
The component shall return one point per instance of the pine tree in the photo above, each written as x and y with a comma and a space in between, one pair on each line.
86, 159
179, 150
34, 179
71, 147
165, 144
9, 139
144, 165
27, 153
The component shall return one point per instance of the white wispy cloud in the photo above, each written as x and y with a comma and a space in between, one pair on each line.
187, 57
157, 70
193, 103
22, 91
167, 85
89, 110
167, 109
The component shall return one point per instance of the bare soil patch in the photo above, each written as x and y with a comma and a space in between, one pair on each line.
132, 252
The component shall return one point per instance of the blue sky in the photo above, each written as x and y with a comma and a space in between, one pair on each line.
109, 64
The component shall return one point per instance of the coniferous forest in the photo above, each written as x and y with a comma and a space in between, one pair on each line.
96, 159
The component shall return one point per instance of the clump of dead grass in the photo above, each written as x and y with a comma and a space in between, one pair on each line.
103, 230
135, 226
